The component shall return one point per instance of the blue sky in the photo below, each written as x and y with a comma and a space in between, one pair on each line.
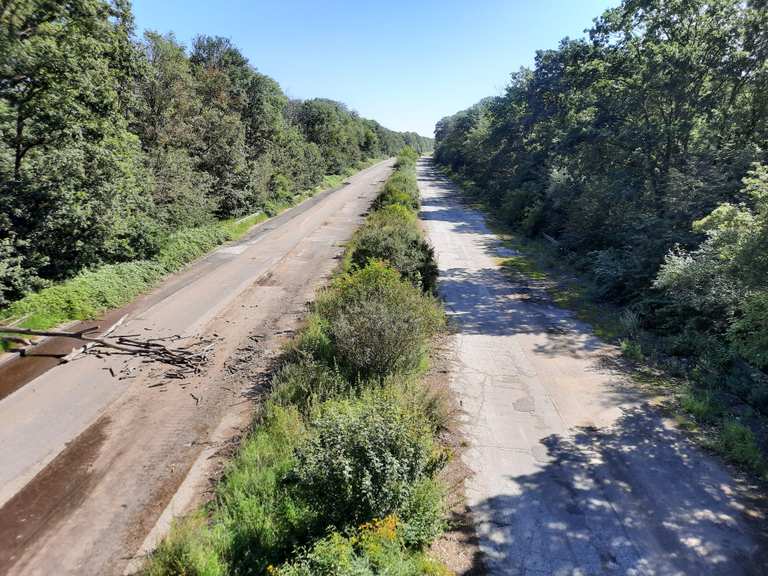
403, 63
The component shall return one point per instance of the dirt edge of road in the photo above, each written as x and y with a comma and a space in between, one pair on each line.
248, 370
458, 547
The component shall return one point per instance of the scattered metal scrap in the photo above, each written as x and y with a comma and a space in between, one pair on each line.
184, 360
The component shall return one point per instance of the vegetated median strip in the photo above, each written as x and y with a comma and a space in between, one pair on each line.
339, 474
93, 292
710, 424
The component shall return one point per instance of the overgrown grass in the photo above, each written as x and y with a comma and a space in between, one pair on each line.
236, 229
339, 474
701, 406
92, 292
720, 431
737, 443
256, 517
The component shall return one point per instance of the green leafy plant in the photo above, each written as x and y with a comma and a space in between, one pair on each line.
392, 235
737, 443
378, 323
375, 548
364, 461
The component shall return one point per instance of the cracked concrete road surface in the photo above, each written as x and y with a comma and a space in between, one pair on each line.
93, 451
574, 473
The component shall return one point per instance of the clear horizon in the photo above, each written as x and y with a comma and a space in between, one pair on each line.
405, 67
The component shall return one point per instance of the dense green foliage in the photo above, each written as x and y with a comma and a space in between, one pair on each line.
401, 187
371, 322
392, 232
340, 474
642, 151
366, 460
109, 144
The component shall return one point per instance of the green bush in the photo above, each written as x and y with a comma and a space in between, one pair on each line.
749, 333
737, 443
406, 158
378, 324
376, 548
514, 204
701, 406
363, 461
392, 234
423, 513
631, 350
400, 188
17, 270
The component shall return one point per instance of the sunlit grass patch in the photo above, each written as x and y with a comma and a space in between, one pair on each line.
236, 229
524, 267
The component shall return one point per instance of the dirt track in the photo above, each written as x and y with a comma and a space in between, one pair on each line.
89, 461
574, 473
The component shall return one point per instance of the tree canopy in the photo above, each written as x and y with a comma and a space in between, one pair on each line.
642, 149
108, 142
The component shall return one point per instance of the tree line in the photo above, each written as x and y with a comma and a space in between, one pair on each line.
642, 150
108, 142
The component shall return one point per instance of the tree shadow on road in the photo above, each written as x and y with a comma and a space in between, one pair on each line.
636, 498
485, 301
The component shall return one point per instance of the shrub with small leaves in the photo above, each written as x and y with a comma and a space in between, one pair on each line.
364, 461
401, 188
375, 548
378, 323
